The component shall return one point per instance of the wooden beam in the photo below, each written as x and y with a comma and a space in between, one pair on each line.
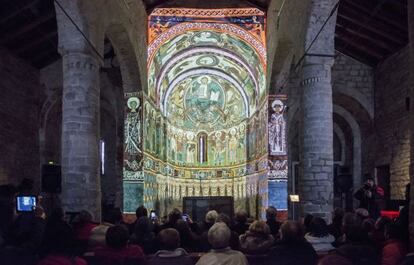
351, 38
353, 43
368, 9
368, 29
29, 45
367, 38
28, 5
26, 28
378, 27
362, 57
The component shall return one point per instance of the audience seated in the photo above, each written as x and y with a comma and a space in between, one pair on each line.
307, 221
144, 235
209, 221
84, 226
27, 231
173, 217
221, 254
394, 250
334, 259
241, 225
257, 240
378, 235
360, 240
319, 236
293, 249
234, 238
335, 228
141, 211
356, 246
98, 233
408, 260
189, 240
271, 221
170, 253
117, 250
59, 246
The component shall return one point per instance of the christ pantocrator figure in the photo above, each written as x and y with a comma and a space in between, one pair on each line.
277, 129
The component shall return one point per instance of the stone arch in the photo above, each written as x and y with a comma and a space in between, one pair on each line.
341, 136
357, 142
357, 96
124, 50
282, 64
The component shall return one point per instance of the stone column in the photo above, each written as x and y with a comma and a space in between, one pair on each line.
81, 187
316, 180
411, 46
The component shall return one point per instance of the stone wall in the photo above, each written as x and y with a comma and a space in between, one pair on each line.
19, 116
353, 97
392, 119
110, 120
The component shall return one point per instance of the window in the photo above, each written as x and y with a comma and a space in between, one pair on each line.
202, 148
102, 147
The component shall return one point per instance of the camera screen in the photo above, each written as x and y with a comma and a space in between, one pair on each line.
25, 203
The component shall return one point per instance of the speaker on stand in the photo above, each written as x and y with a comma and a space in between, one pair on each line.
343, 184
51, 186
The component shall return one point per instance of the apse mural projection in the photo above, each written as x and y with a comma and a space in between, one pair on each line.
205, 114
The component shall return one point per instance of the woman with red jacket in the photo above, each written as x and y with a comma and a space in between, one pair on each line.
117, 250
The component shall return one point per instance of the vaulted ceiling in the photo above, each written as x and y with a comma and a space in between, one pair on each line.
367, 30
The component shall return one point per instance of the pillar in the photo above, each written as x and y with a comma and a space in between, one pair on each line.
81, 187
316, 180
411, 47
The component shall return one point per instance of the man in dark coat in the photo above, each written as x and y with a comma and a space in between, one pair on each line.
368, 196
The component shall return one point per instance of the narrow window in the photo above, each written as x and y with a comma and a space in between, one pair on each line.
102, 145
202, 148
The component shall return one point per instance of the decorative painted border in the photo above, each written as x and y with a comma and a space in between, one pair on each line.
184, 27
195, 12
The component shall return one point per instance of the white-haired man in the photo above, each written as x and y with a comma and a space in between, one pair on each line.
221, 254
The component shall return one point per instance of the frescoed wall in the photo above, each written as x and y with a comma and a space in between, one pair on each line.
278, 156
204, 115
133, 176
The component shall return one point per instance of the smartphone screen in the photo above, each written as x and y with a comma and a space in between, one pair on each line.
153, 215
25, 203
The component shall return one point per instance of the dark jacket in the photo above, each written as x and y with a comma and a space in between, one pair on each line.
359, 253
274, 227
370, 203
293, 253
166, 257
255, 244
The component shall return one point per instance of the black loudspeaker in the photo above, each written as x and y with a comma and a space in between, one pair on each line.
51, 178
344, 182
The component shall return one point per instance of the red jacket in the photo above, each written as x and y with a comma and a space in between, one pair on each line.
61, 260
83, 232
110, 255
393, 252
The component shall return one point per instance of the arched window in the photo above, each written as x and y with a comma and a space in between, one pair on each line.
202, 148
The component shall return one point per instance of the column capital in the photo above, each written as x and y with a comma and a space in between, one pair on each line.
314, 73
80, 61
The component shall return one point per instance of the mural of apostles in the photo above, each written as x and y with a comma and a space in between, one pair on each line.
277, 129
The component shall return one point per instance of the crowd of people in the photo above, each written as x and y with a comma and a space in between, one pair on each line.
351, 238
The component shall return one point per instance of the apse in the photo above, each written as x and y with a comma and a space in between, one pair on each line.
204, 113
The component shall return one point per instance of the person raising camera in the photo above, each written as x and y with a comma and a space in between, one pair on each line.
368, 196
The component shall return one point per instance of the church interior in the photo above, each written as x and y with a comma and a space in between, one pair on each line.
193, 106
